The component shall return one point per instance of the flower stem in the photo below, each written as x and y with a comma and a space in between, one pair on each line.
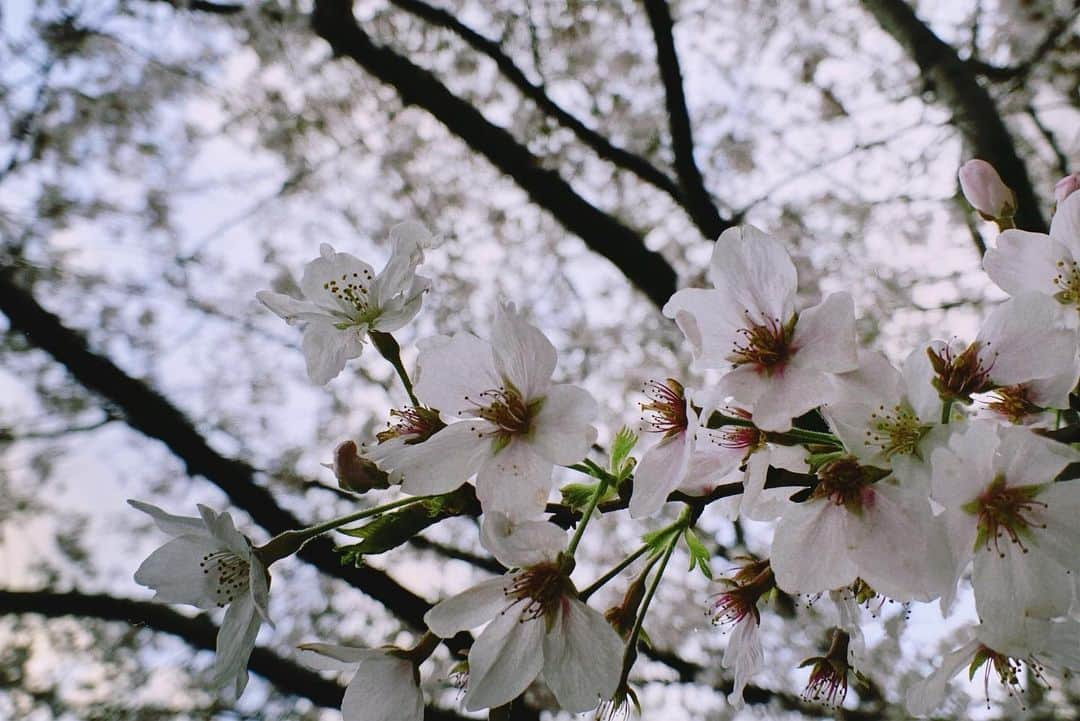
615, 571
601, 489
946, 410
390, 350
632, 642
289, 542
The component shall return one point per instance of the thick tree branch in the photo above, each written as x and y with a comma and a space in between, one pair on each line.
603, 147
974, 112
698, 201
287, 676
152, 414
333, 20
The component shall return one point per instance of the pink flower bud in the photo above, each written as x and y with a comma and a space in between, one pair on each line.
985, 190
1066, 186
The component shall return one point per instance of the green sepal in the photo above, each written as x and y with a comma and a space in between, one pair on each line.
699, 555
392, 529
620, 463
658, 540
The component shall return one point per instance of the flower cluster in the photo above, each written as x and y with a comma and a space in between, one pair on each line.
882, 482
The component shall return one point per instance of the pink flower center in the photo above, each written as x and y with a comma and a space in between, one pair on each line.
961, 375
828, 683
666, 410
766, 346
1005, 512
416, 425
747, 586
544, 588
896, 431
846, 483
1012, 403
507, 410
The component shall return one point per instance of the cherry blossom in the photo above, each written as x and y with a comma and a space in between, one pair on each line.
1022, 340
509, 424
857, 524
1002, 653
888, 418
737, 606
536, 625
1024, 262
1003, 508
780, 360
664, 466
384, 687
343, 300
208, 564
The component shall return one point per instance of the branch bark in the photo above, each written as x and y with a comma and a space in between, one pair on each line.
333, 20
698, 201
199, 632
603, 147
974, 112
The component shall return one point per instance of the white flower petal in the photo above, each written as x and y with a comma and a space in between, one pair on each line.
919, 388
505, 659
1061, 537
662, 468
327, 349
582, 657
755, 273
235, 641
523, 355
516, 481
173, 571
1023, 324
1024, 262
810, 548
222, 528
331, 657
700, 315
824, 337
1011, 584
383, 689
453, 372
743, 654
441, 463
517, 544
926, 695
561, 431
167, 522
1065, 225
1027, 459
291, 309
789, 394
469, 609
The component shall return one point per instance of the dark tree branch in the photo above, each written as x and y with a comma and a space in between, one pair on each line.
698, 201
152, 414
974, 112
333, 20
603, 147
200, 632
1021, 69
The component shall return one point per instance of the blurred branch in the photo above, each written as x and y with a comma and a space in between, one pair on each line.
1021, 69
698, 201
152, 414
1060, 158
199, 631
333, 20
603, 147
974, 112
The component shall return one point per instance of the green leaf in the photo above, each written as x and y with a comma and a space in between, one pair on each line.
621, 445
395, 528
699, 555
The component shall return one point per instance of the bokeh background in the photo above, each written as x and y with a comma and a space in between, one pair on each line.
162, 160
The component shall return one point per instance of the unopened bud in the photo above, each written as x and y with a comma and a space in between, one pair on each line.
1066, 186
354, 472
985, 190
